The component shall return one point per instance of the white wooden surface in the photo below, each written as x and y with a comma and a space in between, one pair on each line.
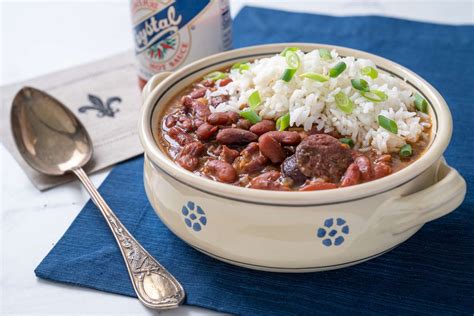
38, 37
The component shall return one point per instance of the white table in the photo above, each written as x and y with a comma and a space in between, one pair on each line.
63, 34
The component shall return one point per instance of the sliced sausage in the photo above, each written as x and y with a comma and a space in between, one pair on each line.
323, 156
235, 136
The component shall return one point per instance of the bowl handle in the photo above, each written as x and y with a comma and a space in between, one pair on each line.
406, 212
152, 83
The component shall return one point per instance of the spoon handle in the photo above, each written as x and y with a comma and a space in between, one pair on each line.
155, 286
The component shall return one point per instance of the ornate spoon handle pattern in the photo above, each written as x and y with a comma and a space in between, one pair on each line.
154, 285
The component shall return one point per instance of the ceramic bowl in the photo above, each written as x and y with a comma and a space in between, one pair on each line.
296, 231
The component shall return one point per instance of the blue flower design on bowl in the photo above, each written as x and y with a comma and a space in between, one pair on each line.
194, 216
333, 231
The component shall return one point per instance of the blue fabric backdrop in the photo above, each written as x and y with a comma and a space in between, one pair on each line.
432, 273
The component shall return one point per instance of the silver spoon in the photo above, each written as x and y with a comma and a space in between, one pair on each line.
53, 141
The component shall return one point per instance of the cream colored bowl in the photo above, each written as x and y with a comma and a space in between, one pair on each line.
296, 231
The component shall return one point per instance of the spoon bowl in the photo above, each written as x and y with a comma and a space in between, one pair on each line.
41, 124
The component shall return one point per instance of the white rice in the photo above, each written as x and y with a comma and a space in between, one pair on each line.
310, 102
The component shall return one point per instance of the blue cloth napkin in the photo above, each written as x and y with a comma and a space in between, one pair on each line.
432, 273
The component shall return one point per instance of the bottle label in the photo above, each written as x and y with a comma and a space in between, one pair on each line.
162, 34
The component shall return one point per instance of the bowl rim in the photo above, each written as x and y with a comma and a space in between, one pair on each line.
160, 160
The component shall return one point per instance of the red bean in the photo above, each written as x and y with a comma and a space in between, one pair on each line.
170, 121
223, 118
384, 158
198, 122
352, 176
222, 170
228, 155
320, 185
187, 102
235, 136
216, 100
286, 138
381, 170
205, 131
263, 127
180, 136
250, 160
187, 124
225, 82
365, 167
208, 83
198, 93
268, 181
271, 148
188, 158
201, 108
243, 124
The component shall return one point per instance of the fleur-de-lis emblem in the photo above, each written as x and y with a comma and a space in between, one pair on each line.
103, 109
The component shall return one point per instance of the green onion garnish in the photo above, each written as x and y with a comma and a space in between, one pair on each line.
337, 70
324, 54
421, 104
283, 122
288, 49
288, 74
347, 141
370, 71
388, 124
406, 151
343, 102
241, 66
216, 75
375, 96
251, 116
254, 100
292, 60
360, 84
314, 76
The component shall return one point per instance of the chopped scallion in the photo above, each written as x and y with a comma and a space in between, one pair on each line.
344, 103
347, 141
250, 115
314, 76
241, 66
325, 54
288, 49
375, 96
360, 84
283, 122
406, 151
370, 71
337, 69
288, 74
421, 104
292, 60
254, 100
216, 75
388, 124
